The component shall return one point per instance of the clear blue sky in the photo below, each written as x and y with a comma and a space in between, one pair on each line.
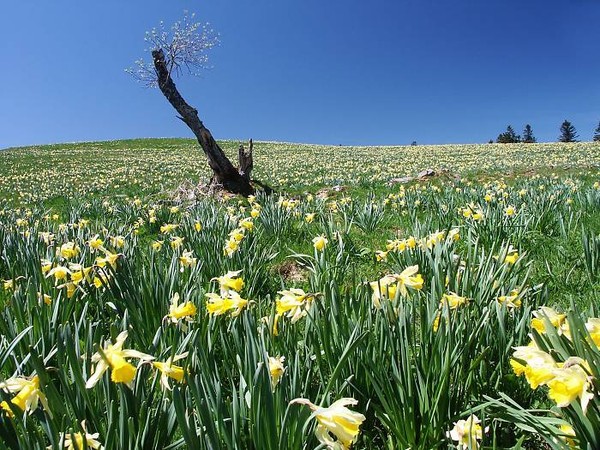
318, 71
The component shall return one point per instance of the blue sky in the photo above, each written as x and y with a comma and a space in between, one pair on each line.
319, 71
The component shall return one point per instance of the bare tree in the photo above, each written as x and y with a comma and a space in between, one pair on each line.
183, 50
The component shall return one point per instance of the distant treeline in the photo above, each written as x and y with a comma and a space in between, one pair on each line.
568, 133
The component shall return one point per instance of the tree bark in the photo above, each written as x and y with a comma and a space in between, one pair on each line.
224, 173
245, 161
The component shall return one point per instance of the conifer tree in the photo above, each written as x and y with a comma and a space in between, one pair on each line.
596, 137
528, 136
567, 132
508, 137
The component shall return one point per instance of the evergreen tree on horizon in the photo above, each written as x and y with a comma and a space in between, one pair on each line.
508, 137
567, 132
528, 136
596, 137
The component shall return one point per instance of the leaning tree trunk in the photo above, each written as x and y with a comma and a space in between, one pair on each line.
224, 173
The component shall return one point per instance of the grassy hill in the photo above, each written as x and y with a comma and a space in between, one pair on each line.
145, 166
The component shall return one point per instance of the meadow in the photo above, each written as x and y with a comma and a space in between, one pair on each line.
345, 310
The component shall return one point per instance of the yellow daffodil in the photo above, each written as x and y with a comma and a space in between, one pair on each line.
510, 211
100, 280
170, 370
538, 368
178, 311
217, 304
385, 287
80, 441
309, 217
69, 250
187, 260
453, 301
28, 394
231, 247
320, 242
246, 224
568, 384
237, 234
231, 280
197, 226
95, 243
467, 433
79, 273
336, 421
157, 245
117, 241
176, 242
168, 228
593, 328
46, 265
511, 301
511, 257
409, 278
381, 256
47, 237
545, 312
44, 298
59, 273
276, 369
293, 303
114, 357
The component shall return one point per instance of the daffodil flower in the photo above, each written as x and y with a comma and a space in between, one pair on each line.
511, 301
217, 305
538, 368
80, 441
59, 273
28, 395
113, 356
568, 384
187, 260
555, 319
319, 243
453, 301
409, 278
168, 228
593, 328
231, 280
336, 421
276, 369
95, 243
69, 250
181, 311
176, 242
170, 370
293, 303
467, 433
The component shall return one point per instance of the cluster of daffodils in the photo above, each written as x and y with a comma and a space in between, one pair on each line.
390, 286
337, 426
114, 357
237, 235
568, 379
412, 243
71, 275
228, 299
472, 212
